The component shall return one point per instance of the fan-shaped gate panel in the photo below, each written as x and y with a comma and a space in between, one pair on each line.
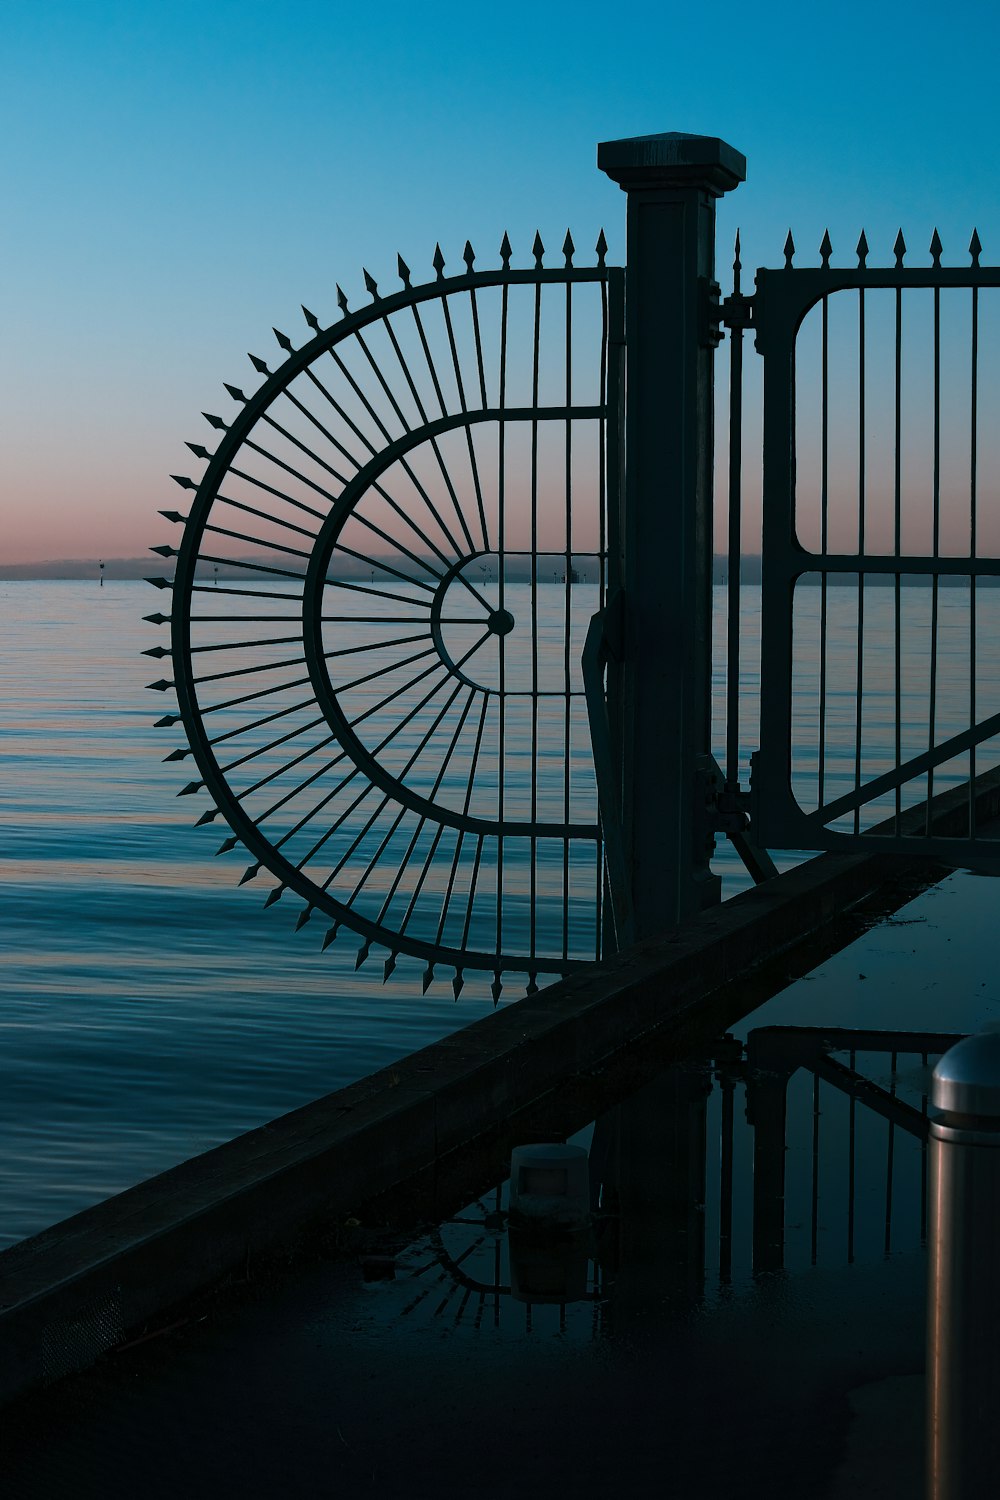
380, 605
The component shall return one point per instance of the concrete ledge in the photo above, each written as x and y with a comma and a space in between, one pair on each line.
72, 1292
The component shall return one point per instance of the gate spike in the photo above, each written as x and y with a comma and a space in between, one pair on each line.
601, 247
235, 392
341, 300
190, 789
157, 619
310, 318
825, 250
227, 845
789, 250
249, 873
427, 978
899, 249
370, 283
198, 450
388, 967
363, 953
437, 261
216, 422
258, 364
568, 248
458, 983
159, 687
537, 249
159, 583
496, 987
862, 248
208, 817
402, 270
164, 551
506, 250
975, 247
936, 247
157, 651
174, 516
184, 482
469, 256
330, 936
303, 917
275, 895
177, 755
284, 342
167, 722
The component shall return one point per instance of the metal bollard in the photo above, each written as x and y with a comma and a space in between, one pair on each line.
963, 1324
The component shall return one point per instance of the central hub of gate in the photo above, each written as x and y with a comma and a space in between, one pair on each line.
500, 622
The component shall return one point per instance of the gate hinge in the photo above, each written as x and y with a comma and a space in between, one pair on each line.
734, 312
722, 808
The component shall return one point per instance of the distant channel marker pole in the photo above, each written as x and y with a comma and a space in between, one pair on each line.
672, 182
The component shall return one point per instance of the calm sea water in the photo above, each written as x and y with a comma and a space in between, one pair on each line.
150, 1008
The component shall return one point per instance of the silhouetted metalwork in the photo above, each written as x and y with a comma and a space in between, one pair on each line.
380, 702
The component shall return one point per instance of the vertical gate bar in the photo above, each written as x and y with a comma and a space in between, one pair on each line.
735, 561
533, 841
973, 542
567, 613
824, 526
502, 581
726, 1181
935, 578
861, 548
672, 182
897, 479
890, 1153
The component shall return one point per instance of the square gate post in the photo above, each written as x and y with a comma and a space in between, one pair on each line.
672, 182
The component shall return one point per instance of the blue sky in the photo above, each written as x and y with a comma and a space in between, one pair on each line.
177, 177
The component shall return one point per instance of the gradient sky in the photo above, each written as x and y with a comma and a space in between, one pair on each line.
176, 177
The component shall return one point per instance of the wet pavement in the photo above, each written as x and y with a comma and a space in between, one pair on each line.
744, 1314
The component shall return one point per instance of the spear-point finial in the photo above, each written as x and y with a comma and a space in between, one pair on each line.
284, 342
390, 964
975, 247
191, 788
825, 250
537, 249
157, 619
158, 651
159, 687
899, 249
235, 392
458, 983
862, 250
275, 895
172, 515
199, 451
789, 250
227, 845
250, 873
341, 299
427, 978
310, 318
437, 261
402, 270
210, 817
215, 422
177, 754
496, 987
184, 482
258, 364
568, 248
303, 917
167, 722
469, 256
370, 283
330, 936
363, 953
936, 247
506, 250
160, 583
601, 247
164, 551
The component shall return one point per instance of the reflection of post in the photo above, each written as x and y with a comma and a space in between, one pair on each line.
963, 1352
655, 1175
767, 1087
672, 182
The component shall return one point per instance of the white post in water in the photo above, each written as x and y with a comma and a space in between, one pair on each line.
963, 1328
